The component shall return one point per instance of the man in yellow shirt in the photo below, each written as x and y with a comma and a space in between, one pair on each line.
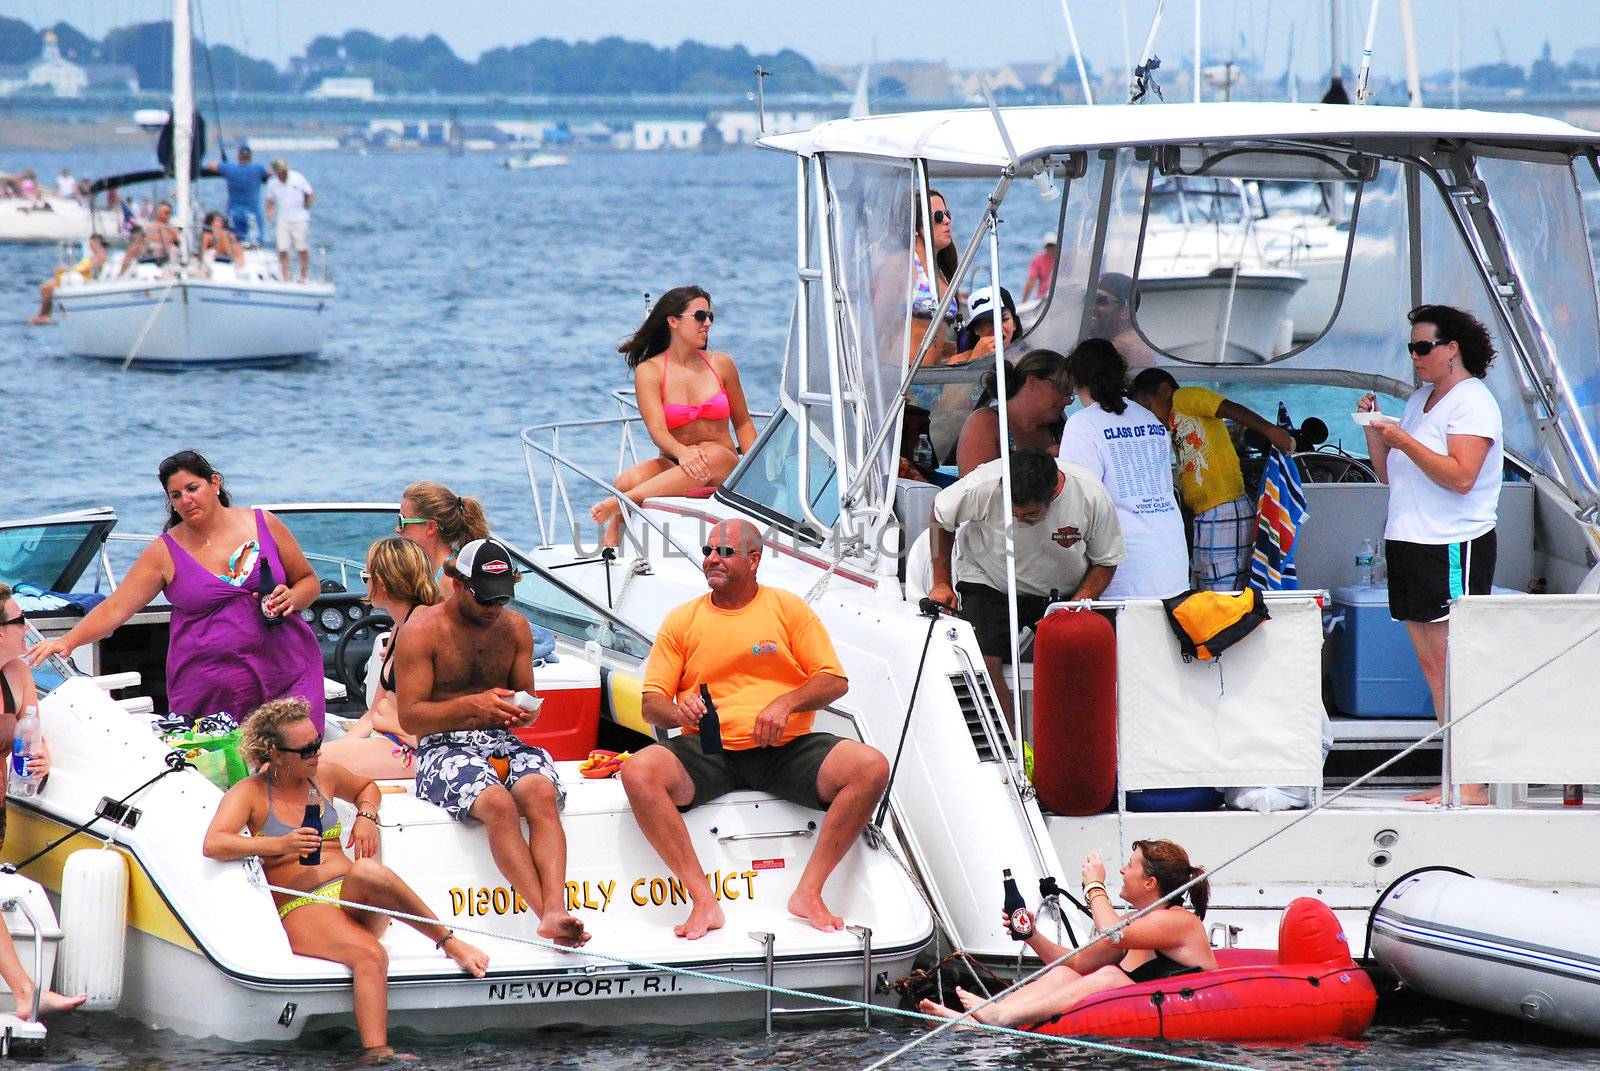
1209, 478
769, 666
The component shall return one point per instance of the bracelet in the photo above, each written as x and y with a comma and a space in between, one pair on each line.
449, 935
1091, 886
371, 816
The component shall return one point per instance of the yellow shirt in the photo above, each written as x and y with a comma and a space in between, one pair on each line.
747, 657
1208, 466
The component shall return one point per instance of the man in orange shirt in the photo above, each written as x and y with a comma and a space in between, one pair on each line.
769, 666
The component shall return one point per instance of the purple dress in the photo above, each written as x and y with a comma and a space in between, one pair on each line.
222, 654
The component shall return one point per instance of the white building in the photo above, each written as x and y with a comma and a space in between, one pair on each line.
743, 128
343, 89
668, 133
54, 73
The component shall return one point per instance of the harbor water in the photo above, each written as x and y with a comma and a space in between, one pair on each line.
474, 301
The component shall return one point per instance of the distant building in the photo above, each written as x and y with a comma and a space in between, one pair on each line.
1018, 78
668, 133
902, 80
743, 128
343, 89
53, 73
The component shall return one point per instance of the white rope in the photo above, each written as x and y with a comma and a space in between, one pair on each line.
150, 322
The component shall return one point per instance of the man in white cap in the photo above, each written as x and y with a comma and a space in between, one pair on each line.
1042, 270
289, 198
459, 666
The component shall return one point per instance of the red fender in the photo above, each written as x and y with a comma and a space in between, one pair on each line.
1075, 712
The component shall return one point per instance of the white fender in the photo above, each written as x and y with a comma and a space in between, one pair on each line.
94, 919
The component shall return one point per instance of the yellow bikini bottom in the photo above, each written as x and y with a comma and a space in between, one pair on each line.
332, 889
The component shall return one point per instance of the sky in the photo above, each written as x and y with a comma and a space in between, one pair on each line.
964, 34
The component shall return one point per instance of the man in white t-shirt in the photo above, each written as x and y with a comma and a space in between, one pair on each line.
288, 197
1067, 539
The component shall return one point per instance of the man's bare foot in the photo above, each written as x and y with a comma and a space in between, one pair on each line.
563, 929
702, 920
1471, 795
40, 321
809, 906
52, 1003
1427, 795
469, 958
378, 1055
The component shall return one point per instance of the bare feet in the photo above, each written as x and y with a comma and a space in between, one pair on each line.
809, 906
930, 1007
379, 1055
1471, 795
52, 1003
40, 321
607, 513
563, 929
469, 958
702, 920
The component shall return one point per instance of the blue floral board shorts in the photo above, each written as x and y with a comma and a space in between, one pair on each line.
453, 769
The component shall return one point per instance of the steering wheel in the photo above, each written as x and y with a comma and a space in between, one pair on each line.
351, 671
1318, 466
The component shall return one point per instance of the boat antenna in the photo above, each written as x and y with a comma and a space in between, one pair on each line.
1362, 93
1144, 74
1077, 54
761, 99
1041, 178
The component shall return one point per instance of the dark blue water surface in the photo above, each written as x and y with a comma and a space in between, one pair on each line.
474, 301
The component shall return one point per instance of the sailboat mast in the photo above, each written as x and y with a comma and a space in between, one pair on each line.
182, 121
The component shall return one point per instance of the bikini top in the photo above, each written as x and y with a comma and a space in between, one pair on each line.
924, 300
386, 667
276, 827
10, 703
715, 407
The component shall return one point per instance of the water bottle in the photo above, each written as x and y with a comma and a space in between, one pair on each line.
1364, 563
1019, 920
313, 818
265, 587
923, 453
710, 727
25, 742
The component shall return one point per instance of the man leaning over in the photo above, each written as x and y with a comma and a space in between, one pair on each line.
769, 666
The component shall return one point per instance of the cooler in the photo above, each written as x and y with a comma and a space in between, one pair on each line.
1372, 665
570, 718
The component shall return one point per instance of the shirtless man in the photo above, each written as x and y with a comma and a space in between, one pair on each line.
457, 666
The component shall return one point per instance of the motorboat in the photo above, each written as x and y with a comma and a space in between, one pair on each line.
182, 314
205, 954
49, 218
531, 160
1476, 209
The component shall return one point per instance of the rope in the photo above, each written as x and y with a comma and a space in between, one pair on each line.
174, 762
933, 611
149, 323
843, 1003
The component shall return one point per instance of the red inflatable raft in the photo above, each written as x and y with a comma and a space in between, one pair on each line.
1310, 989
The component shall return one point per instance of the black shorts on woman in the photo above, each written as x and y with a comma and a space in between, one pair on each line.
1425, 577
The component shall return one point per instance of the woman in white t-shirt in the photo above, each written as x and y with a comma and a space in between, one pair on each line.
1443, 464
1126, 447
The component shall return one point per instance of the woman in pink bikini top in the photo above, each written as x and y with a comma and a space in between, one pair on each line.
688, 397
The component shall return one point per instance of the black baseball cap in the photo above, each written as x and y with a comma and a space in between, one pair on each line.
486, 567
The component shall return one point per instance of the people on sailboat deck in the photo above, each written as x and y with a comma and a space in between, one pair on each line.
1067, 537
288, 199
220, 242
1127, 448
1037, 396
237, 581
688, 396
244, 178
766, 661
1443, 462
398, 579
1209, 477
1166, 943
281, 744
1115, 305
156, 242
17, 694
458, 666
94, 259
440, 522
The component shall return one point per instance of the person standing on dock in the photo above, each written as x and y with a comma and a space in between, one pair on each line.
766, 661
289, 198
245, 178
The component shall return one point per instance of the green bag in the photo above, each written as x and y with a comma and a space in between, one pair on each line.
215, 755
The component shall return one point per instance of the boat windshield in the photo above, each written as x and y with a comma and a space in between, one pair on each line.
768, 481
51, 552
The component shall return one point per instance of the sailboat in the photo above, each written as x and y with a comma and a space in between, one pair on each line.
185, 313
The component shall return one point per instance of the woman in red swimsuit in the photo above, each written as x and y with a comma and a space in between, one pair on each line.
687, 397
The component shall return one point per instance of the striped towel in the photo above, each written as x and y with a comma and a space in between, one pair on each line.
1281, 511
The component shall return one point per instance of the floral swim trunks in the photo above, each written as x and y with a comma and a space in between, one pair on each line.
454, 769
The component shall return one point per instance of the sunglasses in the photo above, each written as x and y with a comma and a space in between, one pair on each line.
401, 520
366, 577
498, 600
309, 751
1426, 346
941, 216
702, 316
20, 619
723, 552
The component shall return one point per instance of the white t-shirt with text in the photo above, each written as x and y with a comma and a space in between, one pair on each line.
1421, 511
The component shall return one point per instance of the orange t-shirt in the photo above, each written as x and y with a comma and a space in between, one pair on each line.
747, 657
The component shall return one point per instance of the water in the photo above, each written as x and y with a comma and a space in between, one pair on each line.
473, 302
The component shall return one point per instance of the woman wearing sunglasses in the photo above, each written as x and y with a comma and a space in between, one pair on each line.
439, 521
398, 580
687, 396
237, 581
1443, 463
282, 744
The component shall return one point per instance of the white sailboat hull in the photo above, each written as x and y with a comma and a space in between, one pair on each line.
54, 219
1185, 315
194, 322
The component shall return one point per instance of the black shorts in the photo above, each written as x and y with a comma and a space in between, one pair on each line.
788, 771
985, 609
1424, 577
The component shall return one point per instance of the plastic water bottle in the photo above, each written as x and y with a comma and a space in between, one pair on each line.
25, 742
1019, 920
923, 453
1365, 560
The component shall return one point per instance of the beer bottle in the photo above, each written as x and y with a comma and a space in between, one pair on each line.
313, 818
710, 727
265, 587
1019, 920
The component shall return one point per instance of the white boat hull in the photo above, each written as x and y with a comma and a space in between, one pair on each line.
1531, 954
1186, 315
193, 322
54, 219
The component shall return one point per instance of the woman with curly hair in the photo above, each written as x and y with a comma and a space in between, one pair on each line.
282, 744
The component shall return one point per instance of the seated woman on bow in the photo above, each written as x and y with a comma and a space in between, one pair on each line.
687, 398
1167, 942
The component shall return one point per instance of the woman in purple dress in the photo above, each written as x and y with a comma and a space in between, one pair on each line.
237, 581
